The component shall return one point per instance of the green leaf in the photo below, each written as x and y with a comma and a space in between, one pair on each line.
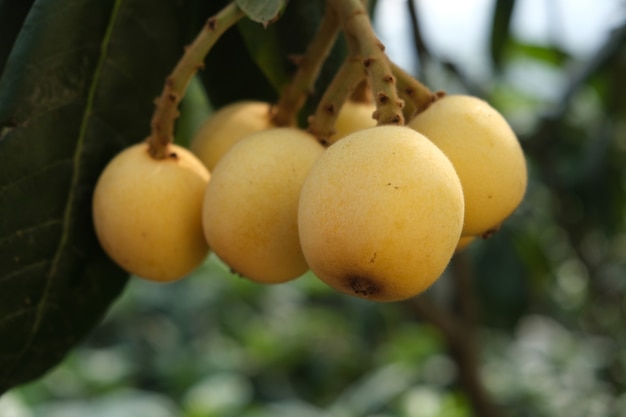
262, 11
500, 32
551, 55
266, 49
231, 74
259, 60
194, 110
296, 29
12, 16
78, 88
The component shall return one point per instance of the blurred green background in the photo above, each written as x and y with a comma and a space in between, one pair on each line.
530, 322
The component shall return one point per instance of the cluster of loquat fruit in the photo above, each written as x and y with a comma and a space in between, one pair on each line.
378, 214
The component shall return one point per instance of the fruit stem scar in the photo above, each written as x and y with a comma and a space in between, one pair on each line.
166, 111
362, 285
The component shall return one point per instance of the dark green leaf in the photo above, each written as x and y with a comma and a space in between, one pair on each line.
262, 11
500, 32
295, 30
253, 55
194, 109
12, 16
77, 88
230, 73
266, 49
547, 54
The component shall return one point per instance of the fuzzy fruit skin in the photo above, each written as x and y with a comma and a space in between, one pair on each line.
251, 204
485, 153
227, 126
380, 214
147, 212
352, 117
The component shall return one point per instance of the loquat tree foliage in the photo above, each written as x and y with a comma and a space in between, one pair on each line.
277, 144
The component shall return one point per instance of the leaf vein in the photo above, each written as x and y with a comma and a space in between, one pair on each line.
52, 270
15, 315
32, 174
31, 229
17, 272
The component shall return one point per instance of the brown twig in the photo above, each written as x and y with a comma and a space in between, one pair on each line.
347, 78
417, 97
362, 93
364, 45
176, 83
309, 65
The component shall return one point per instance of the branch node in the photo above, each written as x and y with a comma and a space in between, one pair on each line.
296, 59
211, 23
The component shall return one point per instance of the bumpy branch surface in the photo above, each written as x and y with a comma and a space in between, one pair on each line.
417, 97
349, 76
362, 93
176, 83
359, 32
295, 94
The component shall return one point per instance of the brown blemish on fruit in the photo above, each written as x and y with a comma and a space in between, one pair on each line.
373, 258
172, 155
362, 285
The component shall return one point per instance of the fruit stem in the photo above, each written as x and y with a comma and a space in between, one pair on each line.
345, 81
359, 32
176, 83
309, 65
416, 95
362, 93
